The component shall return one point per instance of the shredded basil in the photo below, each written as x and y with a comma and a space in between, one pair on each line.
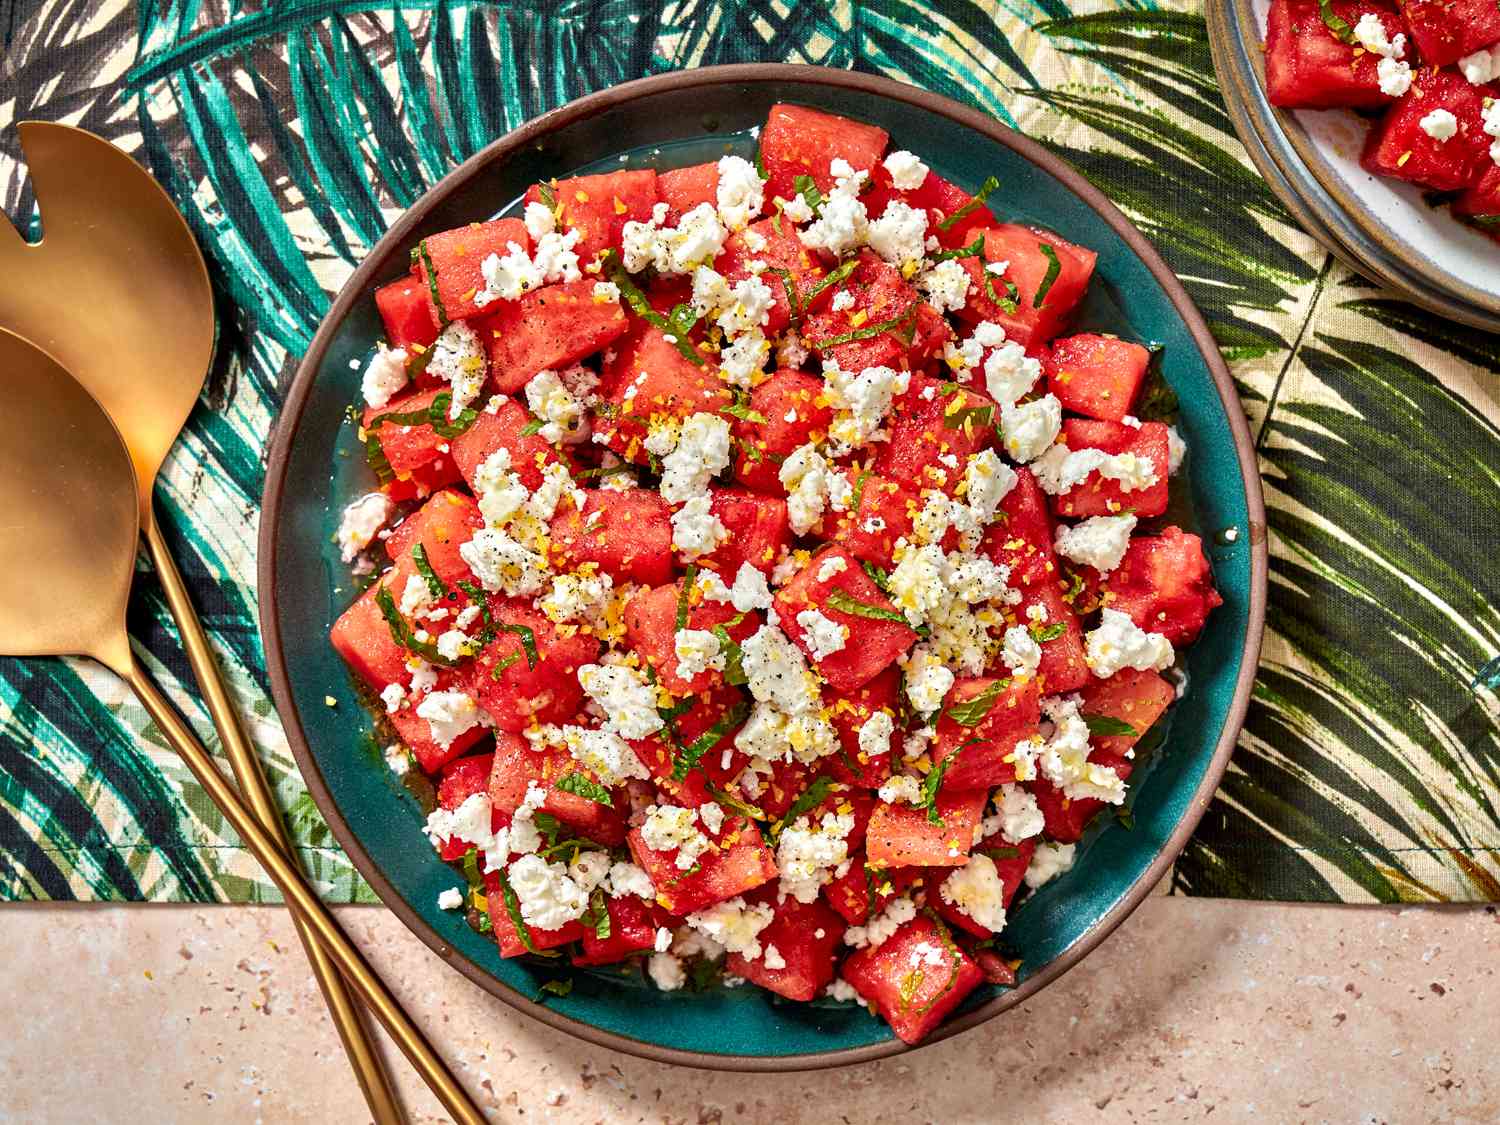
836, 276
968, 417
971, 712
596, 917
989, 185
859, 490
878, 575
548, 196
740, 408
684, 594
1107, 726
907, 322
642, 307
1041, 634
403, 635
533, 427
1011, 302
1054, 267
376, 459
734, 670
730, 801
425, 258
1337, 26
513, 909
843, 601
709, 739
932, 783
435, 585
581, 785
502, 664
528, 639
554, 988
974, 249
810, 798
435, 415
488, 628
808, 190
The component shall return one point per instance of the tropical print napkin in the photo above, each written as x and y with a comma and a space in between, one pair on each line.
291, 134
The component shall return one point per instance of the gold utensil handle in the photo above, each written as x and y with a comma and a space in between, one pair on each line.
302, 901
364, 1056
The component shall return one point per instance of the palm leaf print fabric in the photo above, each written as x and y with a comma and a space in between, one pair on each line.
291, 134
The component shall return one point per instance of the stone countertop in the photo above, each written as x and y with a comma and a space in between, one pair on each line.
1237, 1010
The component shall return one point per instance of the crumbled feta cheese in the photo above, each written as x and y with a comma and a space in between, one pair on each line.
734, 924
1482, 67
900, 234
988, 481
1047, 862
901, 787
1370, 31
606, 292
561, 401
423, 675
589, 869
916, 585
776, 672
977, 889
750, 589
548, 897
946, 285
666, 971
861, 402
773, 735
458, 359
393, 696
832, 565
907, 170
927, 680
1490, 122
1119, 642
1061, 469
1009, 372
740, 194
698, 238
1064, 758
842, 224
806, 475
539, 220
555, 258
503, 565
360, 523
876, 932
822, 635
453, 645
1176, 449
745, 358
384, 376
468, 824
604, 754
1020, 816
1020, 651
808, 853
674, 826
1099, 541
695, 529
1440, 125
697, 651
773, 958
701, 453
450, 899
507, 277
579, 597
449, 714
1395, 77
842, 301
625, 878
875, 735
1030, 428
628, 701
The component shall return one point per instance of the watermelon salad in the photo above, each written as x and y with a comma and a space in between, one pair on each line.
770, 581
1429, 70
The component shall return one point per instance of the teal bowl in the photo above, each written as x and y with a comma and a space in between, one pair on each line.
670, 120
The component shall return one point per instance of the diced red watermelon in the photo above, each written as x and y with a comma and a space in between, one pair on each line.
649, 378
795, 411
1065, 817
881, 514
412, 448
708, 712
1063, 667
850, 711
1010, 860
1308, 67
882, 297
508, 937
1135, 698
1099, 495
1165, 584
1480, 205
923, 447
628, 535
632, 929
862, 892
547, 329
798, 141
1447, 30
1030, 266
1398, 146
505, 429
507, 685
406, 312
460, 780
416, 732
741, 862
791, 270
516, 766
682, 189
806, 937
982, 720
759, 529
1022, 540
454, 257
1096, 375
442, 525
875, 634
599, 206
651, 630
903, 836
914, 978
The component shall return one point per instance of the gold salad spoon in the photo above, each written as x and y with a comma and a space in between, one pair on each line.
118, 291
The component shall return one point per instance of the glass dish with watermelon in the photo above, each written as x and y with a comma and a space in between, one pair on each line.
771, 579
1425, 71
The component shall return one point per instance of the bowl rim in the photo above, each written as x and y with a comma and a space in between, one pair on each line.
1302, 166
356, 288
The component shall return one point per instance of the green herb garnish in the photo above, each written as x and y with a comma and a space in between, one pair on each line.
435, 415
1107, 726
528, 639
971, 712
709, 739
878, 575
422, 255
968, 417
533, 427
974, 249
435, 585
581, 785
596, 917
554, 988
1041, 634
930, 786
810, 798
1054, 267
836, 276
401, 633
513, 909
740, 408
1337, 26
906, 322
843, 601
615, 269
989, 185
689, 576
376, 459
808, 190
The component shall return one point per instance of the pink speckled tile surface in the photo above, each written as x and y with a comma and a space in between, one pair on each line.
1238, 1011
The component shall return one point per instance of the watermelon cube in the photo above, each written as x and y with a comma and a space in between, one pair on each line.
1135, 698
363, 639
1010, 860
798, 141
547, 329
627, 535
881, 514
1447, 30
928, 434
1164, 583
740, 862
510, 939
789, 410
904, 836
651, 630
850, 712
719, 763
805, 938
791, 270
517, 692
599, 206
459, 780
914, 978
516, 767
941, 200
414, 451
1479, 206
1308, 67
1034, 256
759, 529
1065, 817
442, 525
1096, 375
862, 892
875, 634
416, 732
682, 189
982, 720
449, 264
1399, 146
1098, 495
648, 378
1022, 539
530, 453
632, 929
406, 312
882, 299
1063, 667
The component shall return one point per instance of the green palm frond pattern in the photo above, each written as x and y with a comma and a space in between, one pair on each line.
291, 134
